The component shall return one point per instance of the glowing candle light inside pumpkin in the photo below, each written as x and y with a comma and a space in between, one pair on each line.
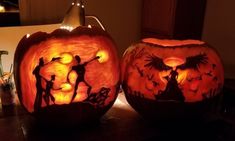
103, 56
174, 62
66, 58
66, 87
182, 76
72, 77
62, 99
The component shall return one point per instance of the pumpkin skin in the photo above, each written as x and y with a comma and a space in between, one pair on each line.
165, 79
67, 76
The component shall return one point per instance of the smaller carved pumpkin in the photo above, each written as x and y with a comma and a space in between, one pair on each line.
171, 78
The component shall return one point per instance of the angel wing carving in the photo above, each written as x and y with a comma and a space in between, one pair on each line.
193, 62
156, 63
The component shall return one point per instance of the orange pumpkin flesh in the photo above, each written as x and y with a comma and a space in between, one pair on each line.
58, 51
171, 78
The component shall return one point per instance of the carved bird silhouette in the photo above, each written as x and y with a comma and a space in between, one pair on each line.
191, 62
156, 63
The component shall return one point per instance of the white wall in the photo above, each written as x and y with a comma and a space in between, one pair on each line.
219, 31
10, 37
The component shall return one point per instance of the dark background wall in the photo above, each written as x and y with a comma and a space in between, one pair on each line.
219, 31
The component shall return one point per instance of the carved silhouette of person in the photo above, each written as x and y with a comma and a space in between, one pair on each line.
172, 91
80, 69
49, 86
36, 73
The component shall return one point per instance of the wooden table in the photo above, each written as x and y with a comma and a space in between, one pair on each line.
120, 123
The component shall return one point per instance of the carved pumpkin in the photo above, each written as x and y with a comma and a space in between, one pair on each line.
171, 78
67, 75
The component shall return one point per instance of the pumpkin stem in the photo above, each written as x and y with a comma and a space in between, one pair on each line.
75, 16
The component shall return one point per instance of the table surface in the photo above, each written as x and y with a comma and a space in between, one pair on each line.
121, 122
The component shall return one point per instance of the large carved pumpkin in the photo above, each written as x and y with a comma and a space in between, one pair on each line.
67, 76
171, 78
